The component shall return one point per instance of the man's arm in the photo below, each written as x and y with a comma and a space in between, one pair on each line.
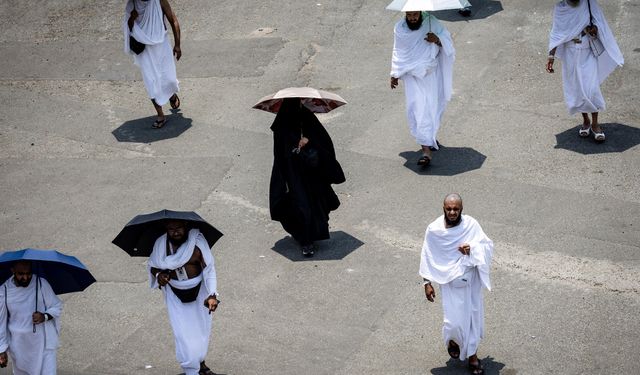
550, 59
433, 38
212, 301
394, 82
429, 292
4, 339
162, 276
175, 26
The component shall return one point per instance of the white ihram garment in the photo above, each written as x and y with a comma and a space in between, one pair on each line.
156, 61
582, 71
426, 70
461, 278
31, 353
190, 322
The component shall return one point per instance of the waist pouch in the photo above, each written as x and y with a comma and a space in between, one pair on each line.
187, 295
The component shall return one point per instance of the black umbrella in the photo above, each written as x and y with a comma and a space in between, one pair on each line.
139, 235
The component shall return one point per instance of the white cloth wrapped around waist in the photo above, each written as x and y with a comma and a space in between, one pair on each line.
466, 279
186, 284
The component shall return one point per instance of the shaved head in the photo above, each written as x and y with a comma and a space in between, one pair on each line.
452, 208
453, 197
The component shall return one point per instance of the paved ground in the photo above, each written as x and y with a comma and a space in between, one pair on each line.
78, 160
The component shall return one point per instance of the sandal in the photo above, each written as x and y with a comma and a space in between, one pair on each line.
308, 250
477, 368
159, 123
598, 136
453, 349
174, 101
424, 161
584, 132
204, 370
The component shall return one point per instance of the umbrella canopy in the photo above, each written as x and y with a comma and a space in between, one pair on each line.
65, 273
428, 5
139, 235
317, 101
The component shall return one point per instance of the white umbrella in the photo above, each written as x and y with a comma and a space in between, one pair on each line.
318, 101
428, 5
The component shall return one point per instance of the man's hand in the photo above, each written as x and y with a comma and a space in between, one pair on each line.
132, 18
394, 82
550, 65
429, 292
433, 38
177, 52
37, 317
465, 249
4, 360
211, 303
163, 278
592, 30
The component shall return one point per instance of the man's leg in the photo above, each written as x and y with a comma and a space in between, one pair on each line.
598, 134
426, 151
161, 119
49, 362
586, 124
594, 123
475, 366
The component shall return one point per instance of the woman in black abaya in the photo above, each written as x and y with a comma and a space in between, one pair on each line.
304, 167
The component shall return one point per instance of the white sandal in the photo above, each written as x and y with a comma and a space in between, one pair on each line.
598, 136
584, 132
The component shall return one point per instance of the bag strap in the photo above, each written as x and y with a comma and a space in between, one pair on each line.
590, 15
6, 305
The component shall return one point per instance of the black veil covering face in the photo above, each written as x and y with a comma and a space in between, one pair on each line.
300, 193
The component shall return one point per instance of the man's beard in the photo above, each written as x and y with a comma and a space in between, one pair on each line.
23, 283
452, 223
415, 25
573, 3
177, 242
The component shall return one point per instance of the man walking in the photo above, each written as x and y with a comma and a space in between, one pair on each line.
423, 57
30, 338
144, 23
182, 265
577, 24
456, 254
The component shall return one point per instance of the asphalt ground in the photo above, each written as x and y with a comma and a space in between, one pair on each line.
78, 160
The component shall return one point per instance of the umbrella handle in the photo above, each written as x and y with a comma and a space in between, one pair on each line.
37, 279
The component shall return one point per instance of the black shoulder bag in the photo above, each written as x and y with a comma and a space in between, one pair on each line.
135, 46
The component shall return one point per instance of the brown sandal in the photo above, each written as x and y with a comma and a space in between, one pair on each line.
159, 123
174, 101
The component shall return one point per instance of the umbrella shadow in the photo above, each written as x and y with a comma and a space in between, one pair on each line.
620, 138
455, 367
447, 161
140, 130
480, 9
337, 247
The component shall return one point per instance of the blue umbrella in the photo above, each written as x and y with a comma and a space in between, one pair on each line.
65, 273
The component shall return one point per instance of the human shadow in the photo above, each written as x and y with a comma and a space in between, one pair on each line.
480, 9
338, 246
455, 367
447, 161
140, 130
620, 138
